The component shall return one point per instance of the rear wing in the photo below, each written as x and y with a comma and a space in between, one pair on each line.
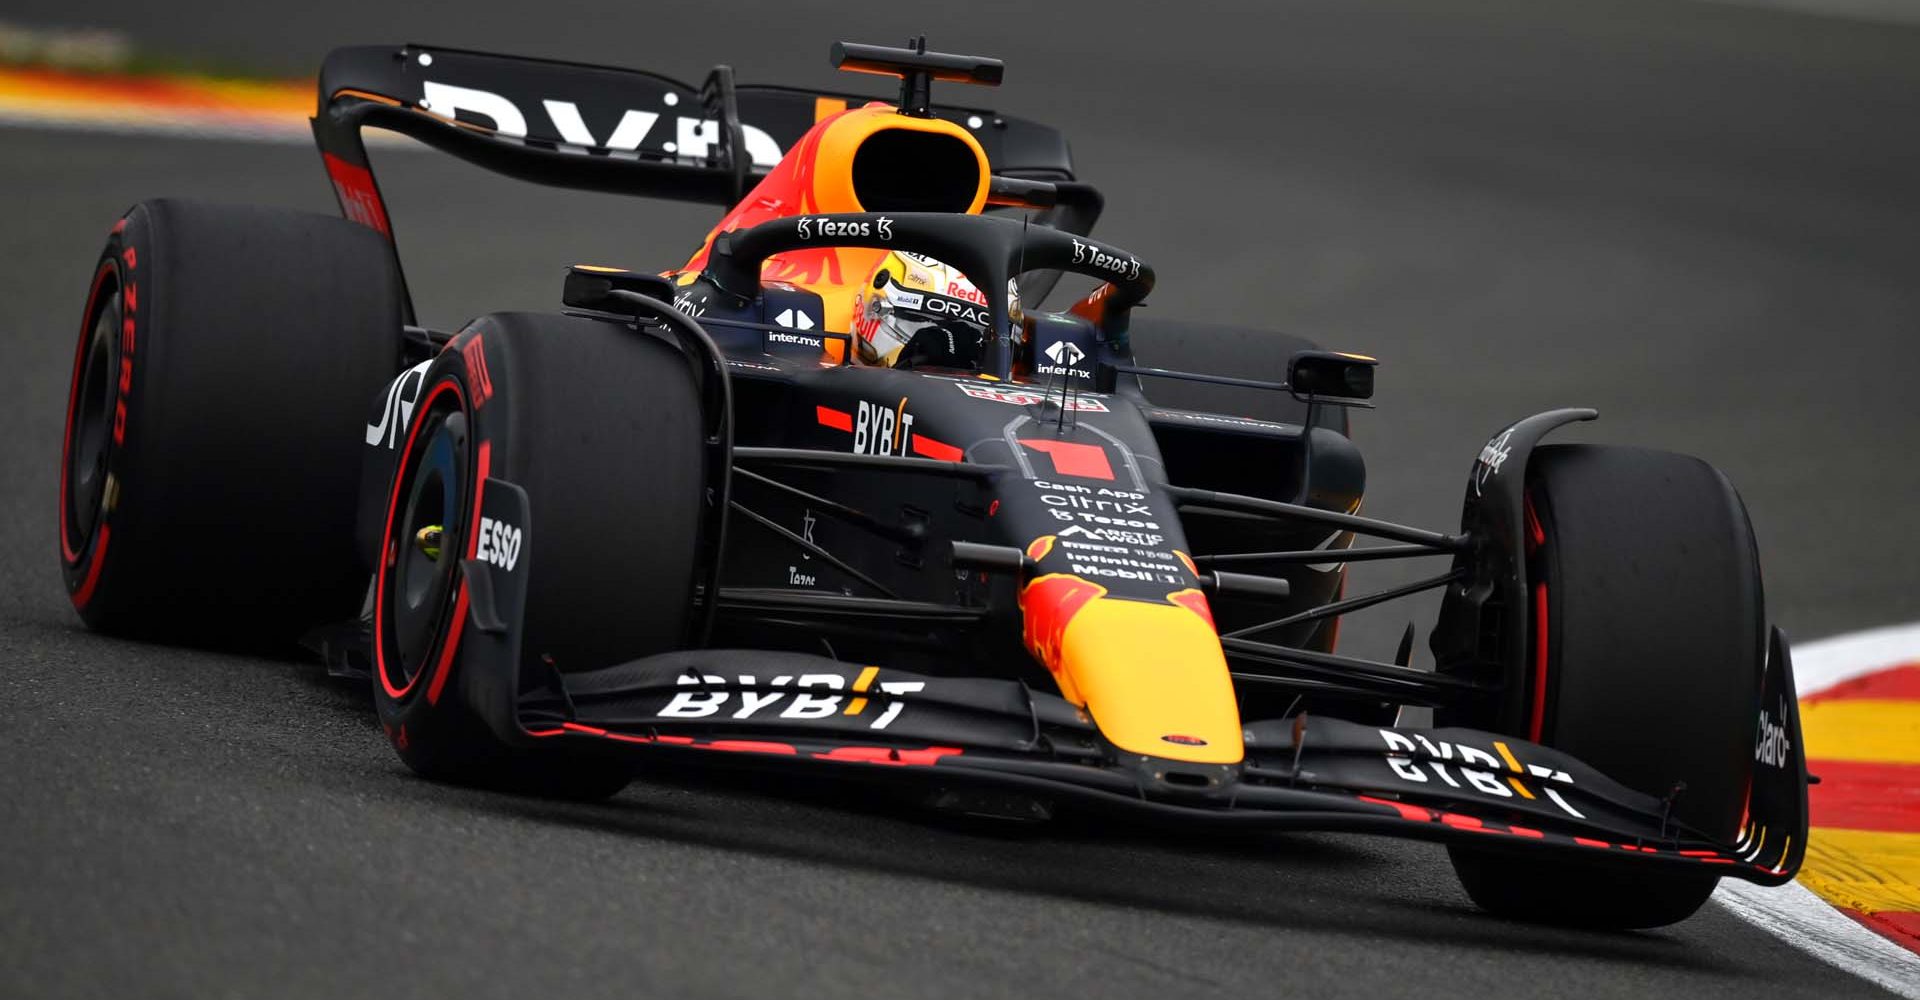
624, 131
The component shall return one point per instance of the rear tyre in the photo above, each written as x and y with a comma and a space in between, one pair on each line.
211, 458
1650, 668
601, 426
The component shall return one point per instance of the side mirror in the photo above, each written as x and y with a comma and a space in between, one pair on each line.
1331, 377
590, 286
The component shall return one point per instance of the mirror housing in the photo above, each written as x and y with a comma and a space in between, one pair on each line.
1331, 377
590, 286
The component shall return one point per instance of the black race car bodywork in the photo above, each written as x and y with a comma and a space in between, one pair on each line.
1015, 584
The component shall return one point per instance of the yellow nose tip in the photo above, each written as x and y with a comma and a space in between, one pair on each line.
1155, 680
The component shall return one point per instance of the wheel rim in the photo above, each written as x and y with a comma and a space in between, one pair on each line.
90, 433
421, 585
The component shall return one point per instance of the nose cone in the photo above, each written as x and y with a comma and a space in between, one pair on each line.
1150, 673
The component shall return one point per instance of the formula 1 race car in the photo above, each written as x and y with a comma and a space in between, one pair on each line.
838, 495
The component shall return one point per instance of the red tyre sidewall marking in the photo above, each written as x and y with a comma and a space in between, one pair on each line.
444, 669
84, 596
386, 549
87, 322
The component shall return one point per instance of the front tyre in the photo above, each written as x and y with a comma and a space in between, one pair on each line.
1649, 647
601, 426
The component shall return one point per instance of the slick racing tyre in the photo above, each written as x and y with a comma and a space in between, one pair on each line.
602, 427
211, 457
1649, 632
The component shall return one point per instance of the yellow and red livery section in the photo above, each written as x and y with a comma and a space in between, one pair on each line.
1151, 673
1863, 741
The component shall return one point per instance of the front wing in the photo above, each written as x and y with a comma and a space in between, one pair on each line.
972, 735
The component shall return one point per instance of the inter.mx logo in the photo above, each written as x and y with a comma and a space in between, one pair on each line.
1066, 356
693, 138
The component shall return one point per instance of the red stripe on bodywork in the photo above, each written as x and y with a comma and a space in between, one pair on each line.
889, 755
752, 746
934, 449
1418, 814
839, 420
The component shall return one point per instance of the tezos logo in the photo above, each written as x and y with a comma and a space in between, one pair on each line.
1772, 746
499, 544
807, 228
1087, 253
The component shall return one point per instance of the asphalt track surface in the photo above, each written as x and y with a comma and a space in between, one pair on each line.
1703, 220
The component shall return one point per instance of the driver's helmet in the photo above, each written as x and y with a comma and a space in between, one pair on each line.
916, 311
